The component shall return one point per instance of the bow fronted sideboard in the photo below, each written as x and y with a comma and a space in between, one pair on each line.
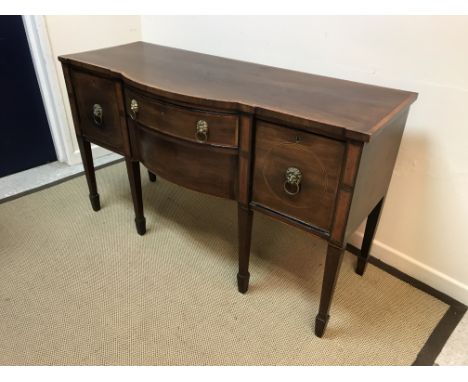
311, 151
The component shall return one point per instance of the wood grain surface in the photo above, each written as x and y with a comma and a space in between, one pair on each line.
344, 108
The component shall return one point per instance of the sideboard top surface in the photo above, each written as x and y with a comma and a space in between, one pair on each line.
351, 109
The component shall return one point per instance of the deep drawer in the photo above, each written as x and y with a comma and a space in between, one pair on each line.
296, 173
100, 110
210, 170
194, 125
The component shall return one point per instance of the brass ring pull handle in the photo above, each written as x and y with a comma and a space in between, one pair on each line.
97, 114
292, 184
134, 109
202, 131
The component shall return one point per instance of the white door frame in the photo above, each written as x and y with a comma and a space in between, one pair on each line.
60, 121
47, 77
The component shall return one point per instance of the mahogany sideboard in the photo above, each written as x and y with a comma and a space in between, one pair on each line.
311, 151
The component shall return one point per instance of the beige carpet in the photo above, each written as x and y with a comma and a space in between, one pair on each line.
82, 288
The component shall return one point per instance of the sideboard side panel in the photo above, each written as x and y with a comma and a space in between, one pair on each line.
375, 171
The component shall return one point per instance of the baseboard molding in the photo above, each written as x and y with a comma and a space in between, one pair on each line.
97, 151
416, 269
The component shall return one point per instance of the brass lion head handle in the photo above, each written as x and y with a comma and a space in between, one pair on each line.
292, 184
97, 114
134, 107
202, 131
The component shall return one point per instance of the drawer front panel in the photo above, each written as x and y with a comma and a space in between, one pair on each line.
181, 122
198, 167
297, 173
98, 103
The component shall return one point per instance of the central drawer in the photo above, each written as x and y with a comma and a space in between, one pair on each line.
200, 126
296, 173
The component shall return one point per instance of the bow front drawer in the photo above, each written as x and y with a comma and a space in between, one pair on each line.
297, 173
201, 126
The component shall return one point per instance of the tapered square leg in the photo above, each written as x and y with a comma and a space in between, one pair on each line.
133, 171
245, 216
152, 177
87, 158
330, 276
369, 233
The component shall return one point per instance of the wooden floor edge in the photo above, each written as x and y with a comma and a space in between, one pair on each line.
439, 336
447, 324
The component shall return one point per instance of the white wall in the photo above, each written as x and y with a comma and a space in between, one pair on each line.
72, 34
423, 227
